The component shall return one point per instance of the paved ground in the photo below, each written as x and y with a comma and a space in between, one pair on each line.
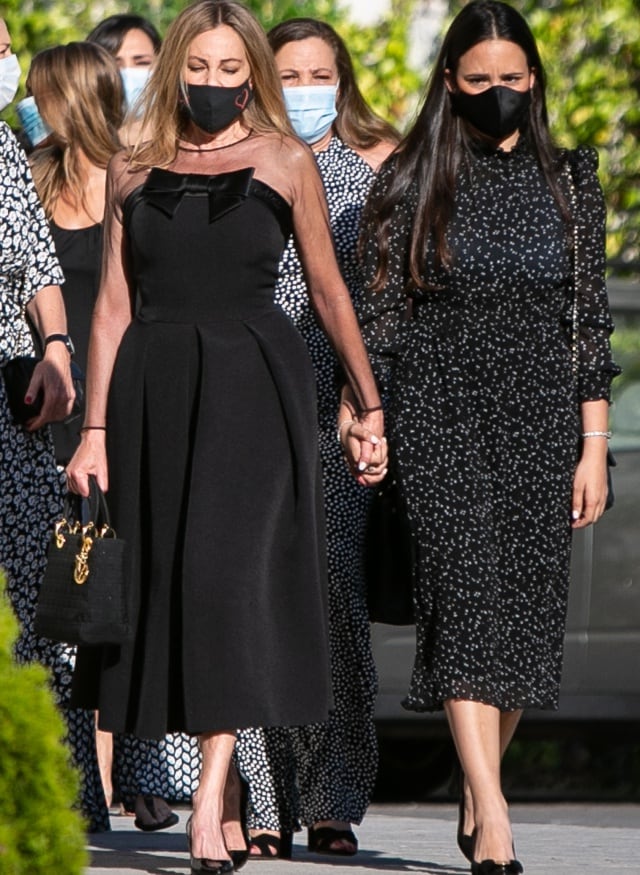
553, 839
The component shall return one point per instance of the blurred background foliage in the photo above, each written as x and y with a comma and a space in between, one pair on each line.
591, 53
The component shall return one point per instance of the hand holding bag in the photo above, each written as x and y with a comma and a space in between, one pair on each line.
85, 596
389, 558
17, 375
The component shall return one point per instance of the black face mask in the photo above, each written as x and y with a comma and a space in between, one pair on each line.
213, 108
496, 112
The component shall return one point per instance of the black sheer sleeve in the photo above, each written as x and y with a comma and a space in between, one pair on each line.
382, 313
596, 368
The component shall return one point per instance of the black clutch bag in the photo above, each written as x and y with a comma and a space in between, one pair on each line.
17, 375
85, 596
389, 558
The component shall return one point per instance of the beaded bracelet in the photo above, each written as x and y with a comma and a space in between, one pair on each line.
604, 434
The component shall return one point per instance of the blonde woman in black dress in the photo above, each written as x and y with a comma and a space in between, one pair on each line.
474, 219
201, 408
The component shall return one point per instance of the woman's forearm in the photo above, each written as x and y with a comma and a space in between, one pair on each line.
595, 425
106, 335
46, 311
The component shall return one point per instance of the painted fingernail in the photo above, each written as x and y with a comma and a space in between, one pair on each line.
374, 439
575, 514
362, 466
27, 399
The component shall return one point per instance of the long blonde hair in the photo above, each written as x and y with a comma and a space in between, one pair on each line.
79, 93
164, 117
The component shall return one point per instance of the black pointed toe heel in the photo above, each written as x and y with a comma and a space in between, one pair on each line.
202, 866
239, 858
490, 867
465, 841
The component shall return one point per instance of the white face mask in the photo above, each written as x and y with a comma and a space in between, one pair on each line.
134, 79
9, 80
311, 110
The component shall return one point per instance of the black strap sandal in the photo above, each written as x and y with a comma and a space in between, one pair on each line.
321, 839
271, 847
153, 813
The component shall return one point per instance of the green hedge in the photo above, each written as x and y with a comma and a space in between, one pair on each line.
40, 829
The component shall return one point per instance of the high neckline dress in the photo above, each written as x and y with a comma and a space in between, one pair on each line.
214, 472
484, 423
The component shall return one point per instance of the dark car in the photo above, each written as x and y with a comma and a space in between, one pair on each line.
601, 678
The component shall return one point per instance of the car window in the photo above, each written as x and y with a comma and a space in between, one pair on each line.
625, 342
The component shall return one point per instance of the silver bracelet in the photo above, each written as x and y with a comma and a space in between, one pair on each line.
341, 425
604, 434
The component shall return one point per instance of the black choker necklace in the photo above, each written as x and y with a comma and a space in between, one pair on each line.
214, 148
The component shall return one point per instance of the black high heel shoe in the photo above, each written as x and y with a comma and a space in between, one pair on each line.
239, 858
465, 841
203, 865
490, 867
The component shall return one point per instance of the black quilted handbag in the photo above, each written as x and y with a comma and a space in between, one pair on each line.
388, 558
85, 596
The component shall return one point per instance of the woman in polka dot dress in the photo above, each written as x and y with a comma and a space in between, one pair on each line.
323, 775
30, 487
474, 218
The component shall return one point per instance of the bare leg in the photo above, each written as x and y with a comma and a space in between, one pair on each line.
232, 828
104, 751
481, 735
508, 723
207, 840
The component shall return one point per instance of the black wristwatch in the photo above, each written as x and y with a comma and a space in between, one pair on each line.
63, 338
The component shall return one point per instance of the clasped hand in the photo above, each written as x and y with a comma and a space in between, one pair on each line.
366, 454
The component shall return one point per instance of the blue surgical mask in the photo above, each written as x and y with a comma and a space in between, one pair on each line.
35, 128
133, 80
311, 110
9, 80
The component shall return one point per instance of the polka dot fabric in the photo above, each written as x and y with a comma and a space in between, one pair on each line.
30, 487
484, 418
326, 771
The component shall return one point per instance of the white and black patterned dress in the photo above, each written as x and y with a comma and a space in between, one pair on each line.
327, 771
484, 423
30, 487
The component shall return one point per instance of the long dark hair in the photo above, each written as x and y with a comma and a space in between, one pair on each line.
356, 124
110, 32
432, 152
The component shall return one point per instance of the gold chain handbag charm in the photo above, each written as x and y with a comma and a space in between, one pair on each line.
81, 567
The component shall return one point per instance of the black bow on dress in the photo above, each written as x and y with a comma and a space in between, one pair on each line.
165, 189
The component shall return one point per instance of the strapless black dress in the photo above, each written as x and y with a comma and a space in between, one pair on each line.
214, 473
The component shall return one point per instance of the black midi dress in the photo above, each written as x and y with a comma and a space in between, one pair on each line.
214, 471
79, 251
485, 422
